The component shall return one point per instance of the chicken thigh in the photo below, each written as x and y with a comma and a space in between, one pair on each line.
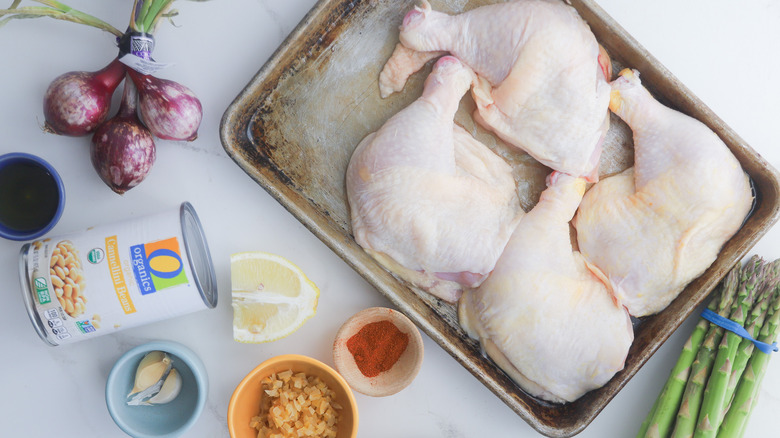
658, 225
544, 315
541, 75
427, 200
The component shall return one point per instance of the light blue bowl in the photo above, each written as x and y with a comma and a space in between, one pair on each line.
166, 420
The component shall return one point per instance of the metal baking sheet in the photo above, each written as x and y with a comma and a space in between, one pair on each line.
295, 125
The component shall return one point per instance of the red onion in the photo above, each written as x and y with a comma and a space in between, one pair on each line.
123, 149
77, 102
169, 109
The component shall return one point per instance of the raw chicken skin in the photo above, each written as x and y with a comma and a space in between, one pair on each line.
657, 226
427, 200
541, 75
545, 316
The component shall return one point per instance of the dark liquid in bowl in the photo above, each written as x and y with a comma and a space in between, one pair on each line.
28, 196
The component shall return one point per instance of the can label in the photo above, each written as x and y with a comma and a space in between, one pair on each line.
110, 278
158, 265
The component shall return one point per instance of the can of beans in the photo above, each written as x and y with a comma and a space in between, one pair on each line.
113, 277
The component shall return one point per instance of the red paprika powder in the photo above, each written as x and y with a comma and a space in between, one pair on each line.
377, 347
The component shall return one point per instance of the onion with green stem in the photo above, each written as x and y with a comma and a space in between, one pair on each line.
78, 103
169, 109
123, 149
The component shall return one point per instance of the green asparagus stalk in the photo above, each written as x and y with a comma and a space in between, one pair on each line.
750, 267
753, 326
735, 421
662, 414
665, 409
646, 423
687, 415
714, 401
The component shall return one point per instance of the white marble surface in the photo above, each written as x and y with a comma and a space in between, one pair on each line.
725, 51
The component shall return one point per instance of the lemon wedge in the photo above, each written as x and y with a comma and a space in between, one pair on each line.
272, 297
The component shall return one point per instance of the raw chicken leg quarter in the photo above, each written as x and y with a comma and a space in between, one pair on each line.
660, 224
540, 84
427, 200
546, 316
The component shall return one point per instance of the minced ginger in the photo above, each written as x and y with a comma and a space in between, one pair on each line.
295, 405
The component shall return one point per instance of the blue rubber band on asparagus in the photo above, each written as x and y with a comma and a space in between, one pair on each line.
732, 326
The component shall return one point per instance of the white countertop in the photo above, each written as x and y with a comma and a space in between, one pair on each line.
726, 52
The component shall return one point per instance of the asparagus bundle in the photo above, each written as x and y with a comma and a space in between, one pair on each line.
713, 386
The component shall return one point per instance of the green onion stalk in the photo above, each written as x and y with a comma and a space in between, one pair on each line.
145, 17
147, 14
56, 10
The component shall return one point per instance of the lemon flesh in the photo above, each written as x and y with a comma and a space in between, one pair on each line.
271, 297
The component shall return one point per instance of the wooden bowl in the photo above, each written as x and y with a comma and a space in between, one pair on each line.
402, 372
245, 402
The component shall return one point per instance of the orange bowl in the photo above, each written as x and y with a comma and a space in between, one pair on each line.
245, 402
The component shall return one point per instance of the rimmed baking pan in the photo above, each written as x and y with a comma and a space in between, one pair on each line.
295, 125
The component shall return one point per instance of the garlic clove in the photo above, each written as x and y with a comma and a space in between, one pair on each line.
151, 370
170, 388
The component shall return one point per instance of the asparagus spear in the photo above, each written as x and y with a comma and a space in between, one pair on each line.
734, 423
700, 369
753, 327
646, 423
664, 410
714, 401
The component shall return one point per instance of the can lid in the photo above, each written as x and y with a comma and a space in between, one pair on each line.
198, 253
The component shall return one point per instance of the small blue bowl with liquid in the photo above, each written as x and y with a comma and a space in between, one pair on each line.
32, 196
167, 420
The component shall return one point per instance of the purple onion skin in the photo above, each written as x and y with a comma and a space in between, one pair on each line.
77, 102
123, 150
170, 110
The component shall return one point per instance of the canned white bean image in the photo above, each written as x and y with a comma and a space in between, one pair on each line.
112, 277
